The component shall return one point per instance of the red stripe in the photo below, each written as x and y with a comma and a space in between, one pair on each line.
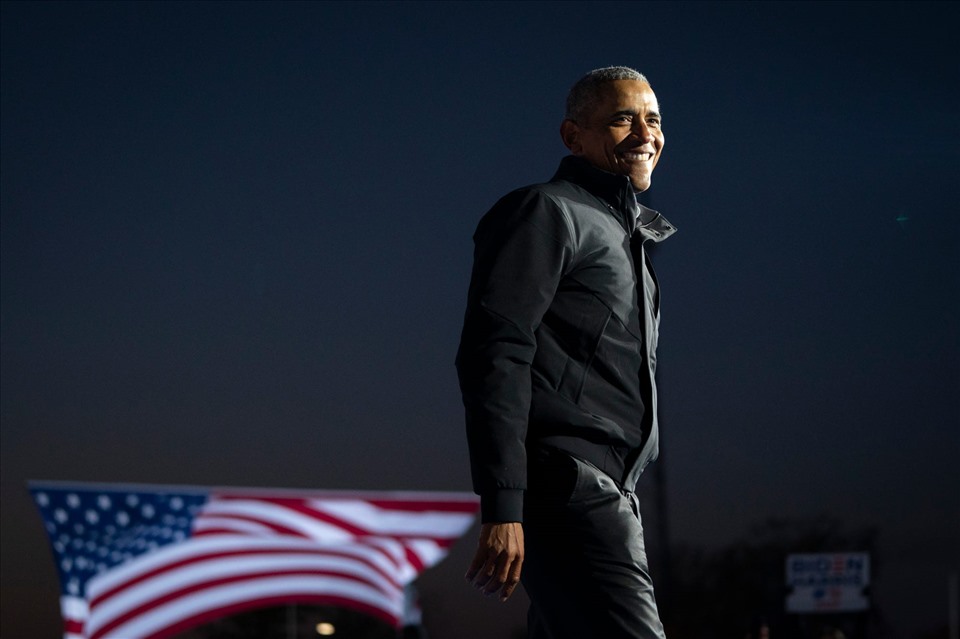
443, 542
298, 506
467, 506
233, 553
213, 583
375, 543
414, 559
73, 626
208, 532
187, 623
277, 528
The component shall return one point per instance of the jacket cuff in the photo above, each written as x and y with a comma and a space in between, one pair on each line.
501, 506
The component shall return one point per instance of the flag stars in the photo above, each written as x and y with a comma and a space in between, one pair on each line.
115, 528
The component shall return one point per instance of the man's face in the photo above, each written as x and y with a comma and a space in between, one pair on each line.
621, 134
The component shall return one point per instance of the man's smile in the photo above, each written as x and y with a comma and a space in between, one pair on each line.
642, 156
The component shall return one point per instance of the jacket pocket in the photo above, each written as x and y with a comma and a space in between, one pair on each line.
553, 477
593, 486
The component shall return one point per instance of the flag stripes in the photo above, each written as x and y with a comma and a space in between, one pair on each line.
136, 562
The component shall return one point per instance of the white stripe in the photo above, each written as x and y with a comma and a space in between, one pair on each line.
191, 549
141, 593
70, 635
412, 615
400, 523
150, 590
277, 515
235, 525
396, 550
74, 608
166, 555
170, 613
427, 551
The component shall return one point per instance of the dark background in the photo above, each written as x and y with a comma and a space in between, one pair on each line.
236, 245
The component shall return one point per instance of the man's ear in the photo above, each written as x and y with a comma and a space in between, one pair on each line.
570, 134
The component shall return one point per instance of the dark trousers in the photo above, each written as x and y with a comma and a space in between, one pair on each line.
585, 566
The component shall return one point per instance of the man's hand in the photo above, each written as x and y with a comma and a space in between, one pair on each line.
496, 566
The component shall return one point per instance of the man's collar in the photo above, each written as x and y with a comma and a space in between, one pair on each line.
610, 187
653, 226
616, 191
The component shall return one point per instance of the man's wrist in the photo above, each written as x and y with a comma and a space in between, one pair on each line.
501, 506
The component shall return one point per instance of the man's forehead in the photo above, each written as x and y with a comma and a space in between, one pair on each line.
628, 93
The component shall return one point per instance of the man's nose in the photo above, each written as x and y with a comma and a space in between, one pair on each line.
642, 131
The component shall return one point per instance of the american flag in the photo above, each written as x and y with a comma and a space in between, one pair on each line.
152, 561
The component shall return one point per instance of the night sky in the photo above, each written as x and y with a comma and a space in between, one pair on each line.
236, 242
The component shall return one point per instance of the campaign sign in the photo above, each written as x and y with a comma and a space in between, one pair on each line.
828, 582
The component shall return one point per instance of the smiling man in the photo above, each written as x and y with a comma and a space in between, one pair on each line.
556, 366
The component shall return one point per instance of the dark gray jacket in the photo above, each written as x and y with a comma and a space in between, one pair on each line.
559, 340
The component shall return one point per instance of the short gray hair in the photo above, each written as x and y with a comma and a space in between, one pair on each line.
585, 92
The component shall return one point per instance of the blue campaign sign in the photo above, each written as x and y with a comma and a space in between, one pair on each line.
827, 582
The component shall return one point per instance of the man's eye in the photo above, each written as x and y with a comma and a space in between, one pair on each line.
653, 122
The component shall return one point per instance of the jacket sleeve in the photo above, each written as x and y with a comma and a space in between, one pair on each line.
521, 249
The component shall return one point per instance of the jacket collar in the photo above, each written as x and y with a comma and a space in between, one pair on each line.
653, 226
618, 196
